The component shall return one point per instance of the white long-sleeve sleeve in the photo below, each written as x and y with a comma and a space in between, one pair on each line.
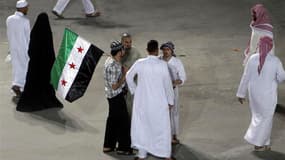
243, 86
280, 72
181, 71
168, 88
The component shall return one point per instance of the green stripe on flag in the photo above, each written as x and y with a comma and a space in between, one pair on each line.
66, 46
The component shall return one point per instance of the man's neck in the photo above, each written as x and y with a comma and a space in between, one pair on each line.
117, 59
19, 12
166, 58
153, 53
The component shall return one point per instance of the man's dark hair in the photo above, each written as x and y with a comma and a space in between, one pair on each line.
152, 46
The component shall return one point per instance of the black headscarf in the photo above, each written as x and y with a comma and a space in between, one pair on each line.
38, 93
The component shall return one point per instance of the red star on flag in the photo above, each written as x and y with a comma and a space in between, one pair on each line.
63, 82
80, 49
72, 65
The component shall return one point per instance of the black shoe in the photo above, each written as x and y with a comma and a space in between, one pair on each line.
57, 14
92, 15
16, 90
105, 150
125, 153
15, 99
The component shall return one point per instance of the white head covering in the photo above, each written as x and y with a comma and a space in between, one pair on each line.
21, 4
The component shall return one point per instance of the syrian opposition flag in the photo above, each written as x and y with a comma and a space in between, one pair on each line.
74, 66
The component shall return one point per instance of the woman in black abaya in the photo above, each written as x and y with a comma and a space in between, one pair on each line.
38, 93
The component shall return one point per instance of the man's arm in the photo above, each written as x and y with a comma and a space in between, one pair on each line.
280, 72
168, 87
132, 72
181, 73
242, 89
121, 81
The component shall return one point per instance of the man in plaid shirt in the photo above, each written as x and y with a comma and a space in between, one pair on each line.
118, 121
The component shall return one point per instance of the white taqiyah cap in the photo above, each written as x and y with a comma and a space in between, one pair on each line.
21, 4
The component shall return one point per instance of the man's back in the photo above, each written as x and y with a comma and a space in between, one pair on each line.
263, 86
18, 31
271, 71
152, 73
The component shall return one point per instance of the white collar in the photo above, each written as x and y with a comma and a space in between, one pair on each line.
152, 56
19, 13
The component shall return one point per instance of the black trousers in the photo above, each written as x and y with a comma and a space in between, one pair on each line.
118, 124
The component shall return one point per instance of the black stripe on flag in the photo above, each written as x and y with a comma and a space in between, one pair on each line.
84, 74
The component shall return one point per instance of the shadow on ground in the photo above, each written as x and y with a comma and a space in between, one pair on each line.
101, 23
280, 108
56, 121
269, 155
96, 22
181, 152
69, 19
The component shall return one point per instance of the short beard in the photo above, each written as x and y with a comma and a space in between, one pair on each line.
127, 50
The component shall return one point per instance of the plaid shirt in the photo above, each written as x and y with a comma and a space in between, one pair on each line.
112, 74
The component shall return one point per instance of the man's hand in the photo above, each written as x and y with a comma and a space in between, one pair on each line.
177, 82
125, 70
241, 100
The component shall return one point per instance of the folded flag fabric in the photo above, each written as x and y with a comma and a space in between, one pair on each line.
74, 66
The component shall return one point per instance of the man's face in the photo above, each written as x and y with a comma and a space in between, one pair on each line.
253, 15
166, 52
127, 42
24, 10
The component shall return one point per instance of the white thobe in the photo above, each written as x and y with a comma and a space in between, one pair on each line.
150, 128
18, 33
177, 72
61, 5
256, 34
262, 94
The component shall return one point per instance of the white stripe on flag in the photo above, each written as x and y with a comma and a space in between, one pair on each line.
68, 74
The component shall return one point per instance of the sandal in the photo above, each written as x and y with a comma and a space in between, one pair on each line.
267, 148
57, 14
95, 14
259, 148
175, 141
126, 153
108, 150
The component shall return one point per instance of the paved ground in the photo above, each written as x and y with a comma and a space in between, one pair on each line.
205, 32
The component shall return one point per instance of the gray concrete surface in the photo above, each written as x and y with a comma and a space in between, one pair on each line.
205, 32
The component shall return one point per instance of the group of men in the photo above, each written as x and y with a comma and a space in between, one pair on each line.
155, 88
150, 87
146, 89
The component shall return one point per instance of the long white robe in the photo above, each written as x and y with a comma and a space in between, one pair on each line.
61, 5
18, 33
150, 128
262, 94
256, 34
177, 72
